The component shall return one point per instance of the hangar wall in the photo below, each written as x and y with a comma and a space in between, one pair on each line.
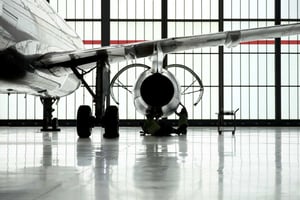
244, 77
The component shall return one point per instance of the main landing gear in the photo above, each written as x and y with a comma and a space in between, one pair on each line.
109, 119
86, 121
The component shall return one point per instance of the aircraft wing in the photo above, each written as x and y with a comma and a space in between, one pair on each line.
132, 51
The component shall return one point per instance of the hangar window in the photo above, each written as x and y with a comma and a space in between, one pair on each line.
249, 82
249, 69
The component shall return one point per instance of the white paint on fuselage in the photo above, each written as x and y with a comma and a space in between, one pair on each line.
36, 20
32, 27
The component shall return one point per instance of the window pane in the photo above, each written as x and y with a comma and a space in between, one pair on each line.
290, 9
4, 106
246, 9
193, 9
132, 9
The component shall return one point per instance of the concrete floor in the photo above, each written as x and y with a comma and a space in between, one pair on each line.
257, 163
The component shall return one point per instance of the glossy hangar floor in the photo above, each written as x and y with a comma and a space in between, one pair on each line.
258, 163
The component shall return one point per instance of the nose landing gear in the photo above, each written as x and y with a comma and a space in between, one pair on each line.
49, 123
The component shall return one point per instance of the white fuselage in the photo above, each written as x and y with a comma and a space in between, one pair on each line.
32, 29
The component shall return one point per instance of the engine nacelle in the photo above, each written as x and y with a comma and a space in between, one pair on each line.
159, 92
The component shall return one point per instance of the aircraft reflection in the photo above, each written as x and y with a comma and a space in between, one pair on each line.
102, 158
231, 141
47, 150
278, 165
256, 163
84, 152
157, 167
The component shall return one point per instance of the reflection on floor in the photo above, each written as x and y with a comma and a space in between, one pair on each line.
257, 163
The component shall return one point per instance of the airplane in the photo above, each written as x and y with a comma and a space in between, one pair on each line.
42, 56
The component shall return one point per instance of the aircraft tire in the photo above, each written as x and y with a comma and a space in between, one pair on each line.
84, 116
111, 122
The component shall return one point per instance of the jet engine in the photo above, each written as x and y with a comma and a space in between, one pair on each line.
158, 93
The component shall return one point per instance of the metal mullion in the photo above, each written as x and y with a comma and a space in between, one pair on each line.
221, 58
56, 5
247, 53
75, 100
257, 68
249, 10
266, 68
193, 63
17, 105
175, 34
193, 20
231, 80
66, 107
289, 83
34, 108
292, 86
249, 86
66, 8
144, 24
127, 63
290, 19
118, 37
241, 68
210, 94
75, 26
297, 68
82, 19
266, 9
164, 19
277, 63
25, 105
136, 20
231, 58
135, 32
184, 80
284, 53
267, 91
258, 117
66, 98
289, 68
57, 107
93, 72
187, 53
249, 78
248, 19
201, 70
202, 54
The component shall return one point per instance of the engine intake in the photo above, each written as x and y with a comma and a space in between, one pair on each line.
159, 91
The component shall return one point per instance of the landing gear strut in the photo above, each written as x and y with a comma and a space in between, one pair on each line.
49, 123
108, 118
